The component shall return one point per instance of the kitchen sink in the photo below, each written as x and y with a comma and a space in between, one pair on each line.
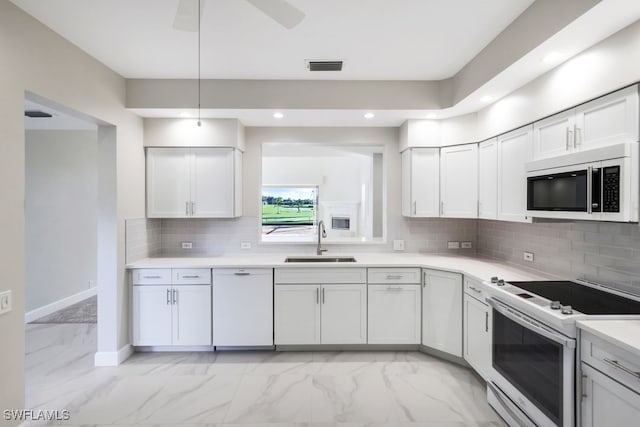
321, 259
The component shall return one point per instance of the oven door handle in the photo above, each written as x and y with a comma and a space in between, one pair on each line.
590, 190
531, 324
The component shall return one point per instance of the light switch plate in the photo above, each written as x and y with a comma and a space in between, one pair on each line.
5, 302
467, 245
187, 245
453, 245
398, 245
245, 245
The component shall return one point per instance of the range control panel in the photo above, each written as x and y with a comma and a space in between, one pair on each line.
611, 189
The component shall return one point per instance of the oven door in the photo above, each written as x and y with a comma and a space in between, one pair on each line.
532, 369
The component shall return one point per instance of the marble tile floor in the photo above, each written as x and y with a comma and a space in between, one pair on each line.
268, 389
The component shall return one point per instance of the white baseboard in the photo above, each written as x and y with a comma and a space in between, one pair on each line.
58, 305
113, 358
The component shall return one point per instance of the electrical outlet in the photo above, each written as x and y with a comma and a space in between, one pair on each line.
398, 245
187, 245
467, 245
91, 284
453, 245
245, 245
528, 256
5, 302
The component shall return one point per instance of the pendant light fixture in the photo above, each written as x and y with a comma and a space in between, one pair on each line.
199, 54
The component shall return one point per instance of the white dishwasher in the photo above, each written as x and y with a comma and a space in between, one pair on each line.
242, 307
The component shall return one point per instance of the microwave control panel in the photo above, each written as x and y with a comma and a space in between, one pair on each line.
611, 189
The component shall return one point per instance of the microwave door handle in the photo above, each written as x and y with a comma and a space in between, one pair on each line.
589, 190
530, 324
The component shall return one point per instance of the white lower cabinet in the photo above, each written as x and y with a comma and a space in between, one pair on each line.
242, 307
394, 314
171, 315
442, 311
477, 335
320, 314
607, 403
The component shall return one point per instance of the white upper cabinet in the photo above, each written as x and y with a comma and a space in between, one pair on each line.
421, 182
514, 150
608, 120
488, 179
459, 181
193, 182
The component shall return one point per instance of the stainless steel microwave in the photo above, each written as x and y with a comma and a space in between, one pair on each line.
599, 184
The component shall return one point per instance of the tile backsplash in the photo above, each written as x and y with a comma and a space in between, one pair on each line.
143, 238
607, 253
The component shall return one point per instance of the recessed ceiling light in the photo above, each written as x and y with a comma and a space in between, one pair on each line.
369, 115
432, 116
552, 57
278, 115
185, 114
486, 98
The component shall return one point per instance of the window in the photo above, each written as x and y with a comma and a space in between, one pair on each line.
305, 183
289, 213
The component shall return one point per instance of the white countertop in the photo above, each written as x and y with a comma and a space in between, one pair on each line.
479, 268
621, 333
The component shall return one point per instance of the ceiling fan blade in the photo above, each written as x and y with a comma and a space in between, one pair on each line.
280, 11
186, 18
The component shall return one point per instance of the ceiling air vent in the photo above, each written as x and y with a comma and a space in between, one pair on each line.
37, 114
324, 65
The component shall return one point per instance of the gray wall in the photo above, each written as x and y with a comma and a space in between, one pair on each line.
606, 253
60, 214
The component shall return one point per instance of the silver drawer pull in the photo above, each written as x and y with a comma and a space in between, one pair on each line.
474, 289
152, 277
394, 288
242, 273
623, 368
393, 277
191, 277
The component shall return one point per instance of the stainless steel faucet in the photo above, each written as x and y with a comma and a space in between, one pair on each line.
321, 233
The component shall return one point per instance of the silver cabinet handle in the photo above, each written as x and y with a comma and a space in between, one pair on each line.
242, 273
442, 207
191, 277
186, 208
584, 380
394, 277
474, 289
168, 298
175, 296
394, 288
577, 136
193, 208
623, 368
424, 280
323, 295
486, 321
317, 295
151, 277
414, 207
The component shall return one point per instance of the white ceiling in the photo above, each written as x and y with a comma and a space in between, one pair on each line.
378, 39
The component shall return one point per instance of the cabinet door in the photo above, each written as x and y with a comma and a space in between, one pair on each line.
212, 183
243, 307
297, 314
608, 120
168, 183
393, 314
477, 338
554, 135
514, 151
343, 314
488, 179
421, 182
442, 311
607, 403
192, 315
459, 181
152, 315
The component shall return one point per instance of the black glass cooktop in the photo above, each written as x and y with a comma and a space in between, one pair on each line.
582, 298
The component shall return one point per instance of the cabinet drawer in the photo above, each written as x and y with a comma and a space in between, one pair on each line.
474, 288
393, 275
191, 276
320, 275
152, 276
615, 362
233, 276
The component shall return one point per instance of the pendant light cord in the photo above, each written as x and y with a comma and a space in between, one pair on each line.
199, 74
